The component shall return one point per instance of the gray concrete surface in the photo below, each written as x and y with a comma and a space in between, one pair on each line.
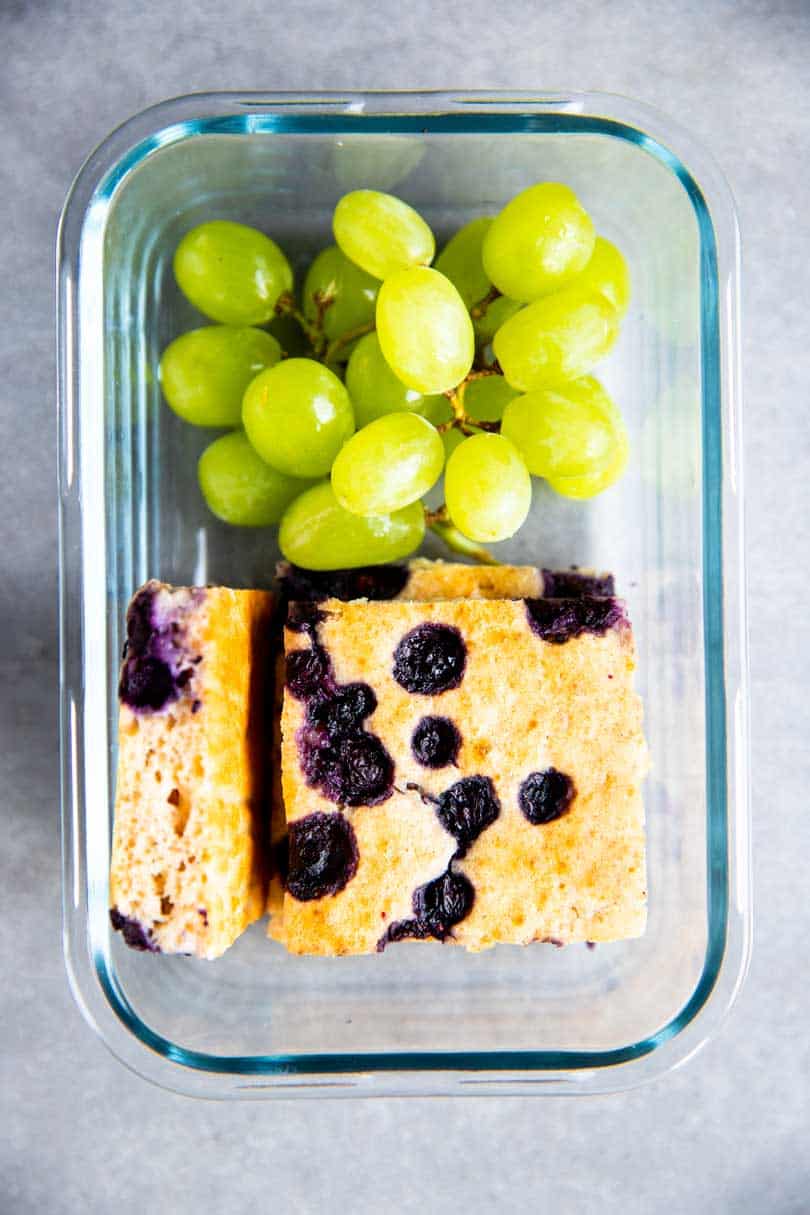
729, 1131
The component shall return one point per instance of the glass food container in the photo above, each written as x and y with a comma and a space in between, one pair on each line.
420, 1018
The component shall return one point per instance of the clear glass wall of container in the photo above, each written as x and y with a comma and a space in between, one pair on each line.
418, 1018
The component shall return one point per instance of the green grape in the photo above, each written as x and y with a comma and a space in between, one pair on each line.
298, 416
239, 487
589, 484
487, 398
561, 432
381, 233
353, 294
498, 313
425, 331
556, 339
437, 410
460, 261
388, 464
318, 534
376, 391
232, 273
290, 336
487, 488
337, 369
204, 373
607, 274
540, 241
454, 436
451, 439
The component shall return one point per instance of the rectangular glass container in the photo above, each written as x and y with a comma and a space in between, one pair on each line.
418, 1019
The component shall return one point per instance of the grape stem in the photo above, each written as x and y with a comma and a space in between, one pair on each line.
439, 523
322, 304
439, 515
323, 349
334, 348
461, 420
286, 306
480, 309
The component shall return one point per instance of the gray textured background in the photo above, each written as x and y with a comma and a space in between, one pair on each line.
728, 1131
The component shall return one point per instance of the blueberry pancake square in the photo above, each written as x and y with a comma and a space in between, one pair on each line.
188, 870
464, 771
417, 580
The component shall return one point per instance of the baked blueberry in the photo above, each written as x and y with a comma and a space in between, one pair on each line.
443, 903
139, 622
467, 808
599, 614
146, 683
309, 673
546, 796
367, 582
344, 711
571, 584
357, 771
402, 930
316, 754
437, 906
558, 620
351, 770
136, 935
430, 659
322, 856
304, 618
436, 742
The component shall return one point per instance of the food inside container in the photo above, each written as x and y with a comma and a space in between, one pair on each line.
196, 840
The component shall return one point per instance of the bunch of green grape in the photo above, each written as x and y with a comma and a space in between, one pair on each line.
346, 407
